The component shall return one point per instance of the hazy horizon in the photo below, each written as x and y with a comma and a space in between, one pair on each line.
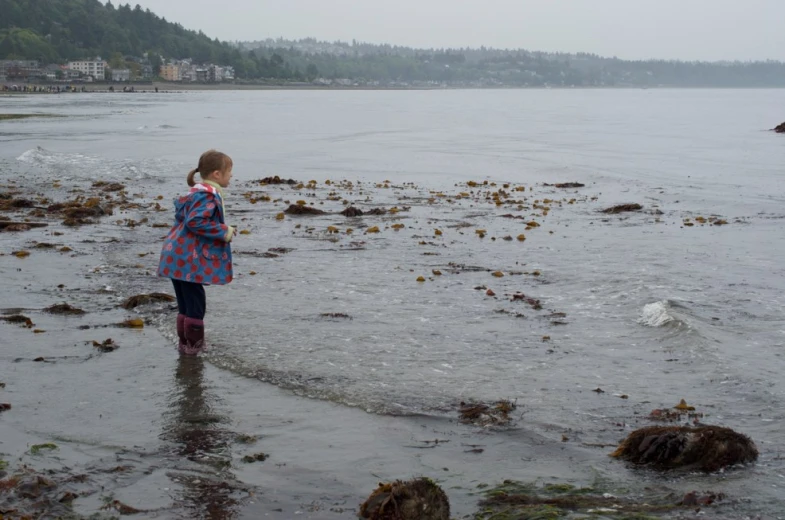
705, 30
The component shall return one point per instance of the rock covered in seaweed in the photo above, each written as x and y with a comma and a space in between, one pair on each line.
417, 499
297, 209
705, 448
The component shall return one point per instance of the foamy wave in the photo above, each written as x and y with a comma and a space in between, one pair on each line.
80, 166
656, 314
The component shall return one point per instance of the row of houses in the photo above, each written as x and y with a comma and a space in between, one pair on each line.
83, 71
98, 70
186, 70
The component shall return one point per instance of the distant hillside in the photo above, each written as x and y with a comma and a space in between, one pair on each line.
503, 67
55, 31
60, 30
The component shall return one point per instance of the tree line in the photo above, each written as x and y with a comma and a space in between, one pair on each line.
55, 31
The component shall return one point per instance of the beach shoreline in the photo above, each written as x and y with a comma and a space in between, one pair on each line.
115, 417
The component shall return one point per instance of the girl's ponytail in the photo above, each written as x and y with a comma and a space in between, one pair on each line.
190, 179
210, 161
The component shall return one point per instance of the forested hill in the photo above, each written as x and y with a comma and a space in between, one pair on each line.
509, 67
54, 31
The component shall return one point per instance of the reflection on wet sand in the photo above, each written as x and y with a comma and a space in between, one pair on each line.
202, 447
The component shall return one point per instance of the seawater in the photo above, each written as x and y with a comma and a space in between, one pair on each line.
639, 305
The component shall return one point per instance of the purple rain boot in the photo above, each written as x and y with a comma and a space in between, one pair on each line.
181, 332
194, 336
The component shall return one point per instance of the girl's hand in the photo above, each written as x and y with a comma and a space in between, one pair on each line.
230, 234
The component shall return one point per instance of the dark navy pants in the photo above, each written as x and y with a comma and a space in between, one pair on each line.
191, 299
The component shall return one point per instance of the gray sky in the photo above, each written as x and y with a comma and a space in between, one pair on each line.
633, 29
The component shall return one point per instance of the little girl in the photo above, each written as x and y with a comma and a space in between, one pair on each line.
197, 252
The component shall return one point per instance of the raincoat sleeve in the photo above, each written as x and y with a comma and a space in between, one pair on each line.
204, 218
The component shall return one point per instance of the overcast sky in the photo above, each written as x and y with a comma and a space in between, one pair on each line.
633, 29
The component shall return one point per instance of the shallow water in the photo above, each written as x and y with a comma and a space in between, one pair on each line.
655, 311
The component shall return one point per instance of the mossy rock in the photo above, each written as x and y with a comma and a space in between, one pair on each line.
418, 499
705, 448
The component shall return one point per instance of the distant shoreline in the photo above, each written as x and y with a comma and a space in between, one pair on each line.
167, 87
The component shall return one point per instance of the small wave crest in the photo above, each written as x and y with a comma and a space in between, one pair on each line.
156, 127
80, 166
656, 314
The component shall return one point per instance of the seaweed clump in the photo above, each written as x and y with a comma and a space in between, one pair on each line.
64, 309
622, 208
482, 414
417, 499
144, 299
295, 209
276, 180
705, 448
520, 501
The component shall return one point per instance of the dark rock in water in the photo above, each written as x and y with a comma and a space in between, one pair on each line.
7, 225
335, 315
351, 211
143, 299
19, 319
621, 208
4, 407
64, 308
276, 180
295, 209
566, 185
418, 499
706, 448
780, 128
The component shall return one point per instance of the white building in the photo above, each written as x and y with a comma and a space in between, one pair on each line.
121, 75
93, 68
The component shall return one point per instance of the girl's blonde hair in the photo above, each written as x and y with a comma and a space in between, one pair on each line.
210, 161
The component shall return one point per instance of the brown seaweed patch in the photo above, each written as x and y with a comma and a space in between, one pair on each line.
705, 448
520, 297
19, 319
256, 457
351, 211
621, 208
519, 501
566, 185
482, 414
275, 180
108, 186
19, 226
108, 345
10, 203
75, 222
144, 299
296, 209
417, 499
64, 309
133, 323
